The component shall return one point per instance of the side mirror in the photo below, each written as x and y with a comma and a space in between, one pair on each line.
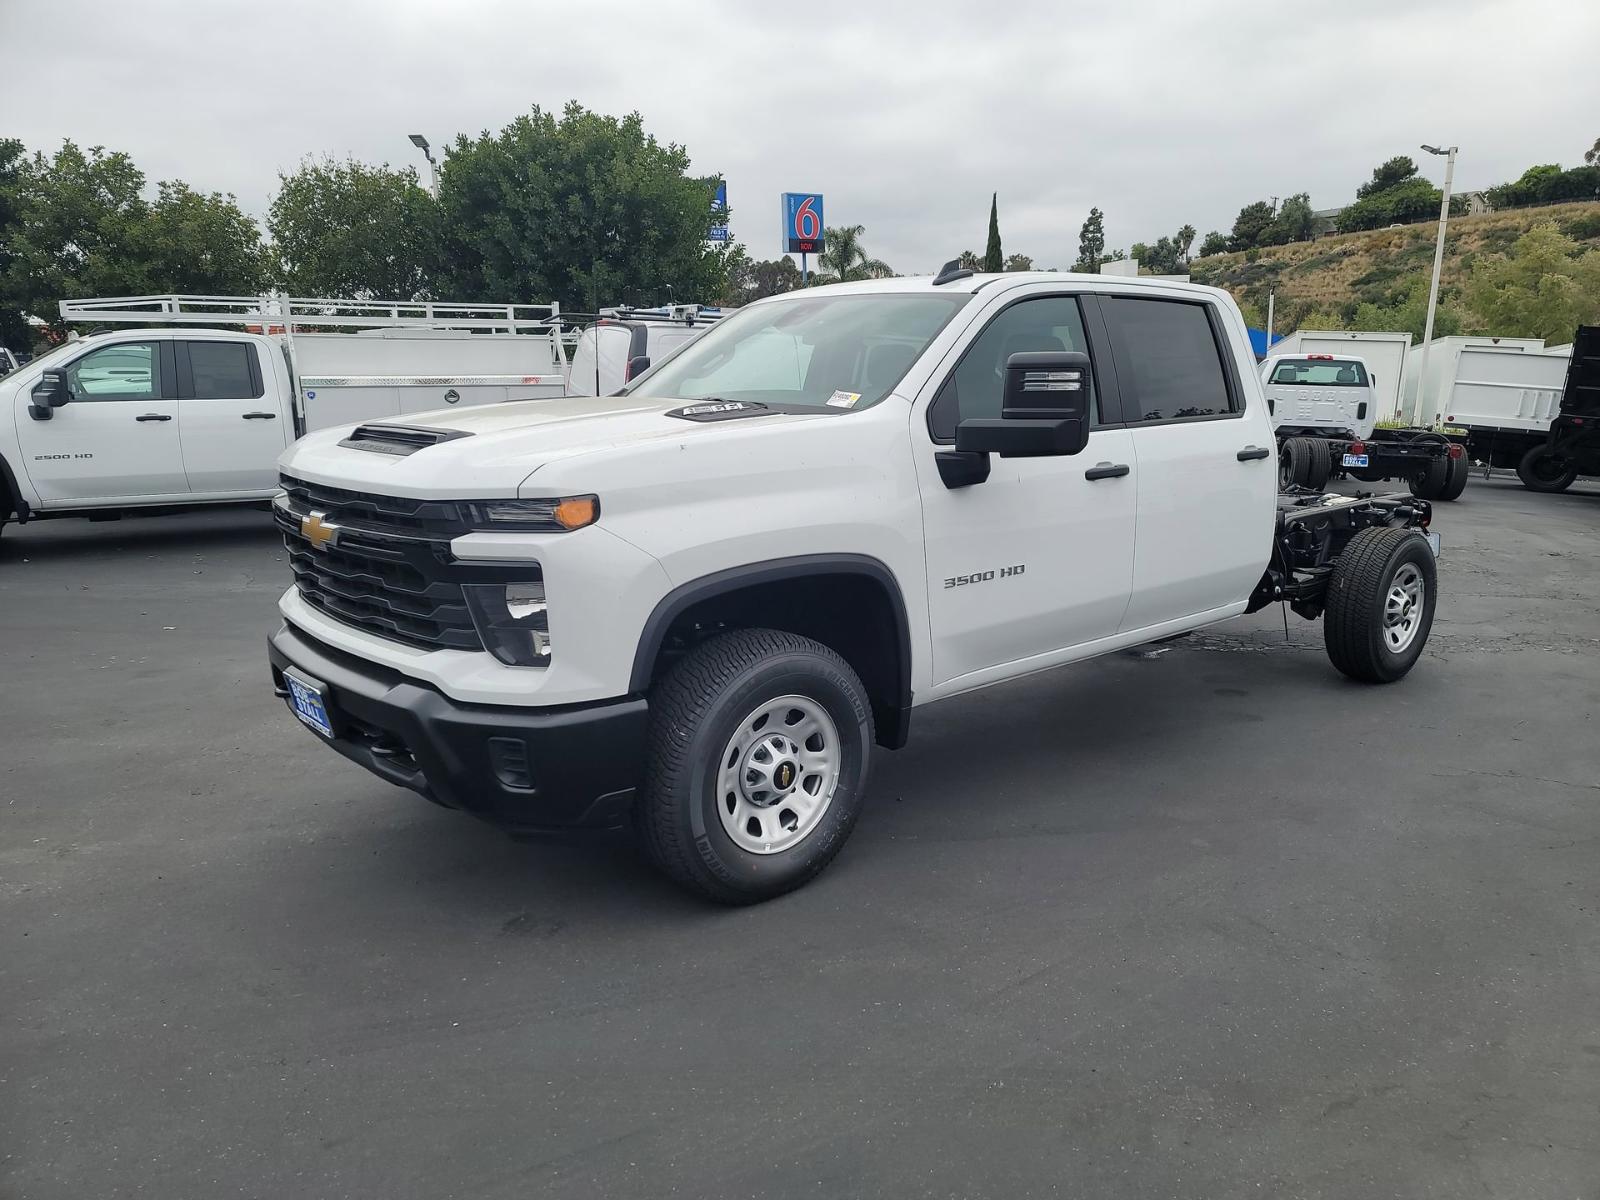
637, 366
49, 394
1044, 409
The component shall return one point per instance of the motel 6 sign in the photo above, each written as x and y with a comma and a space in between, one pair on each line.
802, 223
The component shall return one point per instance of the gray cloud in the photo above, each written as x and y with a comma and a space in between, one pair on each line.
906, 114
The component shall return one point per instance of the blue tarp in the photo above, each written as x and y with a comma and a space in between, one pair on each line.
1258, 342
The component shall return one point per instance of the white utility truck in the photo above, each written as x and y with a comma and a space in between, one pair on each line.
182, 413
623, 342
1324, 413
698, 605
1386, 356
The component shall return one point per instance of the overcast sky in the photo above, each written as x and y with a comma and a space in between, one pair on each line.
906, 114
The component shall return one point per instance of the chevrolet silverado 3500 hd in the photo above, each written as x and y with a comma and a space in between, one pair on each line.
699, 604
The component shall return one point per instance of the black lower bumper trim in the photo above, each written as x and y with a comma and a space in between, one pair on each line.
525, 769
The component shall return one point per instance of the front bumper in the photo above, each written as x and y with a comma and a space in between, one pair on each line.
524, 769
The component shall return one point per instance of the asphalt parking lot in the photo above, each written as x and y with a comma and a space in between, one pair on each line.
1205, 922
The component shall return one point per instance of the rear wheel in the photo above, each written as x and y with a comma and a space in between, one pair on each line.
1456, 479
759, 747
1544, 470
1380, 604
1304, 462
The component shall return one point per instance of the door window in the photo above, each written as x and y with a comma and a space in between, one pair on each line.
974, 388
221, 371
123, 371
1169, 361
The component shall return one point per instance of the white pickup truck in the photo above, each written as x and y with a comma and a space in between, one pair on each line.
1325, 414
698, 605
152, 420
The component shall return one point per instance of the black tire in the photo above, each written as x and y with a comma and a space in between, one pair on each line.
1456, 480
1543, 471
1321, 464
1290, 453
1430, 484
1353, 624
695, 713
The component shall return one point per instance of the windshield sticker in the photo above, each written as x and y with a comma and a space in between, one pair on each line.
843, 399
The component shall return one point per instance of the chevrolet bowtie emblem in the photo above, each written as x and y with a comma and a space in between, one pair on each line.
321, 534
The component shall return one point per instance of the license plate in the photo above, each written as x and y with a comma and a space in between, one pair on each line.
1433, 543
1355, 460
305, 697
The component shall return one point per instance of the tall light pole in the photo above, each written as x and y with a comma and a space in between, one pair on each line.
421, 143
1433, 288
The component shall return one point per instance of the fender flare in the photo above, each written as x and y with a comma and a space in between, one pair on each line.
10, 490
678, 601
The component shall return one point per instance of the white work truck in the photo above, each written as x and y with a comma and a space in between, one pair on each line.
1324, 412
186, 414
698, 605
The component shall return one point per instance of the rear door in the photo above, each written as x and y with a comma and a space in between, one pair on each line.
117, 437
1206, 466
232, 431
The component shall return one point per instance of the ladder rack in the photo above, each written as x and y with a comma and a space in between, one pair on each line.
276, 312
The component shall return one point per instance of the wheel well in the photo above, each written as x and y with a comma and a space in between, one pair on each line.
857, 613
10, 495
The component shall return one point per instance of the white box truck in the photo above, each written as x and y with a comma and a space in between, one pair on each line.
195, 407
1444, 354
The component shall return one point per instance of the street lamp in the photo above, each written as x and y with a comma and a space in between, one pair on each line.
1433, 288
421, 143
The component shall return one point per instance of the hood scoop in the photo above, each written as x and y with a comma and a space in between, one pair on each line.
399, 440
719, 410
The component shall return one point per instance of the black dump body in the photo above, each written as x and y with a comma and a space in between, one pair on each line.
1575, 434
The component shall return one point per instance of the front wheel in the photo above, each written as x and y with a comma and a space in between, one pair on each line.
760, 742
1543, 470
1380, 604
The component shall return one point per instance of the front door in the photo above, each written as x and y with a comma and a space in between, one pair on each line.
1038, 558
117, 436
232, 431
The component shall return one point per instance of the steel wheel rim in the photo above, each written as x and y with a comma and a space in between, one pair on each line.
777, 774
1402, 607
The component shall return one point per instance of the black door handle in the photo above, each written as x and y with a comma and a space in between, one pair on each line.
153, 417
259, 416
1106, 471
1252, 452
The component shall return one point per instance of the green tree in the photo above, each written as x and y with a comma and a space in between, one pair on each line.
1396, 171
844, 258
580, 208
750, 280
1403, 204
1293, 223
201, 243
968, 260
1185, 240
993, 256
1543, 288
1547, 184
1592, 154
349, 229
14, 331
1406, 311
1091, 242
1213, 243
1018, 262
1251, 225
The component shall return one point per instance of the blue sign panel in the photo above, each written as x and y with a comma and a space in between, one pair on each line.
719, 205
802, 223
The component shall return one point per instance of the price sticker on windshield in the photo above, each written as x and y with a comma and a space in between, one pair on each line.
843, 399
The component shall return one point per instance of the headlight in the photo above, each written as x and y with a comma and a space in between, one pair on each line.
512, 620
570, 512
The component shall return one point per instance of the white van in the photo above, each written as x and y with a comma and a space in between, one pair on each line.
624, 341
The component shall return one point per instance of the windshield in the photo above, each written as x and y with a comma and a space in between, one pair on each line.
1320, 373
839, 351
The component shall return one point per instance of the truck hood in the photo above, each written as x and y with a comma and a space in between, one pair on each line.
490, 450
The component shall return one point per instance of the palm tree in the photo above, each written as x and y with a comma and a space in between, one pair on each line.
845, 259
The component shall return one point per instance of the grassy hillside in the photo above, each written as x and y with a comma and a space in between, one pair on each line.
1321, 284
